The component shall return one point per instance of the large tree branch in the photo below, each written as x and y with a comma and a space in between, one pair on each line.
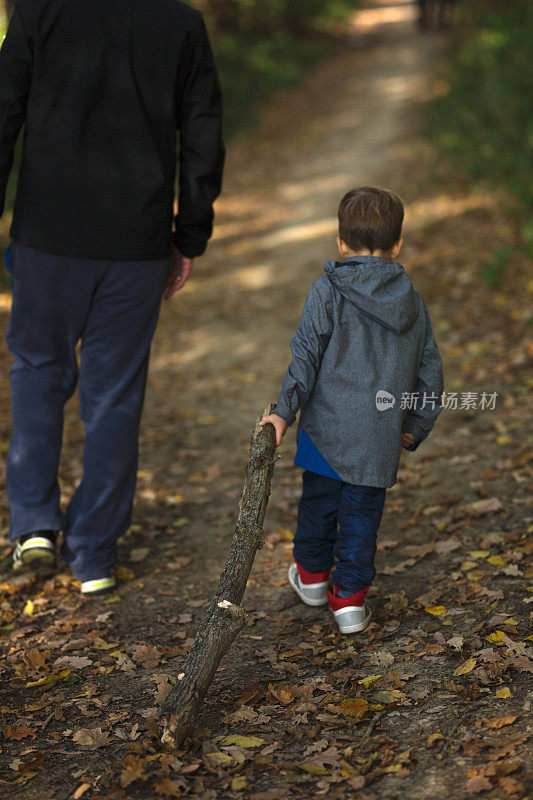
224, 617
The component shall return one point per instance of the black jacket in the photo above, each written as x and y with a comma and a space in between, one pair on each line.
103, 87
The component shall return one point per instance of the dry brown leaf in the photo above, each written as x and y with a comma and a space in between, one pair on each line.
146, 655
18, 732
478, 784
82, 788
95, 737
499, 722
132, 769
167, 787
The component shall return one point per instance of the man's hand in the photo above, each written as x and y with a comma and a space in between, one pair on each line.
180, 270
279, 424
407, 439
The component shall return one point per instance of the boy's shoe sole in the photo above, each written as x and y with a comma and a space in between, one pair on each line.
36, 553
312, 594
353, 619
98, 586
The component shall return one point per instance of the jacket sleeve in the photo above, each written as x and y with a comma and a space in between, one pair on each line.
201, 150
308, 345
427, 392
16, 67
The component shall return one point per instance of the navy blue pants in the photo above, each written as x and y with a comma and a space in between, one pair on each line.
113, 307
338, 521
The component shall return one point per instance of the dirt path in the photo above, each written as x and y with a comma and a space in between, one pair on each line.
331, 717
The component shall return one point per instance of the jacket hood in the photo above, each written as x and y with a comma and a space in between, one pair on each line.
379, 288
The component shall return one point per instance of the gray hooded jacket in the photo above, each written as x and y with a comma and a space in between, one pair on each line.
365, 334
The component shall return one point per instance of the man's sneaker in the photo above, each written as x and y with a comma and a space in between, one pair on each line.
98, 586
36, 551
311, 587
352, 614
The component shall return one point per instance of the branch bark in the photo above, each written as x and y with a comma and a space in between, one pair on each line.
224, 617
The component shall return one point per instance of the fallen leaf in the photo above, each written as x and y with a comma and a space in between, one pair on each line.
478, 784
51, 679
465, 667
35, 658
433, 738
29, 608
18, 732
146, 655
74, 662
215, 761
499, 722
167, 787
485, 506
82, 788
456, 642
437, 611
132, 769
496, 638
503, 692
353, 707
242, 741
139, 553
91, 737
369, 680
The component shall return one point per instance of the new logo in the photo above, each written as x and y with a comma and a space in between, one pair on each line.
384, 400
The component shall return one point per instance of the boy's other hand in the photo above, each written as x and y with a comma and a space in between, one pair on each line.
180, 270
279, 424
407, 439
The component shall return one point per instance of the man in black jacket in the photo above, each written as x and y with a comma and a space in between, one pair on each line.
103, 87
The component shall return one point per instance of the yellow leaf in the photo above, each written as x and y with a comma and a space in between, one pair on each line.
53, 678
437, 611
511, 621
314, 769
354, 707
478, 553
242, 741
124, 574
504, 440
433, 738
239, 783
503, 692
466, 565
29, 608
466, 666
496, 638
499, 722
475, 575
369, 680
208, 419
498, 561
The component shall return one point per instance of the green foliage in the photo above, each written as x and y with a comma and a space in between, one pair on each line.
483, 115
262, 18
261, 45
492, 270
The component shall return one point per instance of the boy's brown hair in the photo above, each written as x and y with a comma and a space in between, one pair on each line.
370, 218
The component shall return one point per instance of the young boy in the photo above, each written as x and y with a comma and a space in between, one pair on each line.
364, 344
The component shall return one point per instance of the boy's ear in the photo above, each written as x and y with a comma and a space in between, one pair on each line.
395, 252
342, 246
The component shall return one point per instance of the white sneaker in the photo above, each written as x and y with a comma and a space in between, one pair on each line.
312, 594
36, 551
352, 614
98, 586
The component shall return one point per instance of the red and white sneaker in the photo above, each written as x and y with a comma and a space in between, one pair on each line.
311, 587
352, 614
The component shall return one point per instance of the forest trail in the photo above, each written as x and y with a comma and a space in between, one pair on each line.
422, 704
